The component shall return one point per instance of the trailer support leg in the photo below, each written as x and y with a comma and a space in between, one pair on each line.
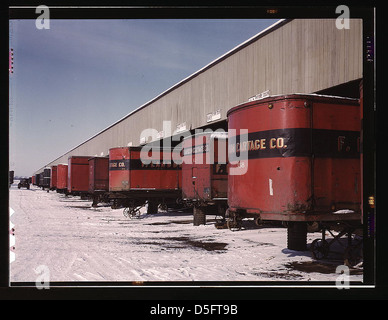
297, 236
199, 216
152, 207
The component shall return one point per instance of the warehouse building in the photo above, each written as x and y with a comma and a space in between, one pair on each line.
291, 56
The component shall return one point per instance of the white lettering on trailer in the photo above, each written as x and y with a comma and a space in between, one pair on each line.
270, 187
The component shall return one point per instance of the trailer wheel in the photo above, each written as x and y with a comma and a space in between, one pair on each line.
132, 212
259, 222
163, 207
199, 216
126, 212
320, 249
297, 236
234, 222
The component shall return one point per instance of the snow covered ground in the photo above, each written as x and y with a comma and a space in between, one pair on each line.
76, 242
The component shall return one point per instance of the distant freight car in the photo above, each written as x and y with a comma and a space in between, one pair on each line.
46, 178
41, 180
132, 182
37, 179
299, 163
204, 173
53, 178
62, 178
99, 179
78, 175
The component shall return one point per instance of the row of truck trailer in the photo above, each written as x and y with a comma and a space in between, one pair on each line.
294, 159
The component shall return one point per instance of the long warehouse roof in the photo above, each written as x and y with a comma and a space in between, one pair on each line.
291, 57
214, 62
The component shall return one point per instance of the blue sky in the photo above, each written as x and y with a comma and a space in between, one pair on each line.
80, 76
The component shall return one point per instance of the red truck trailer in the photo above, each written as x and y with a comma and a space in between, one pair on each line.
62, 178
133, 181
53, 178
99, 179
301, 160
37, 179
205, 175
78, 175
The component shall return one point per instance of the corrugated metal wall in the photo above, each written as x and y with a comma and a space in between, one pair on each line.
297, 56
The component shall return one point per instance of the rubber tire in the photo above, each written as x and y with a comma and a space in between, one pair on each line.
199, 216
297, 236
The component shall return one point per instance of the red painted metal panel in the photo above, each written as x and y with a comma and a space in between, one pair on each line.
128, 172
53, 178
62, 176
119, 173
204, 170
98, 174
78, 174
303, 155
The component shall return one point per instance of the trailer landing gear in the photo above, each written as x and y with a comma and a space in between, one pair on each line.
199, 215
353, 255
132, 212
234, 220
234, 223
